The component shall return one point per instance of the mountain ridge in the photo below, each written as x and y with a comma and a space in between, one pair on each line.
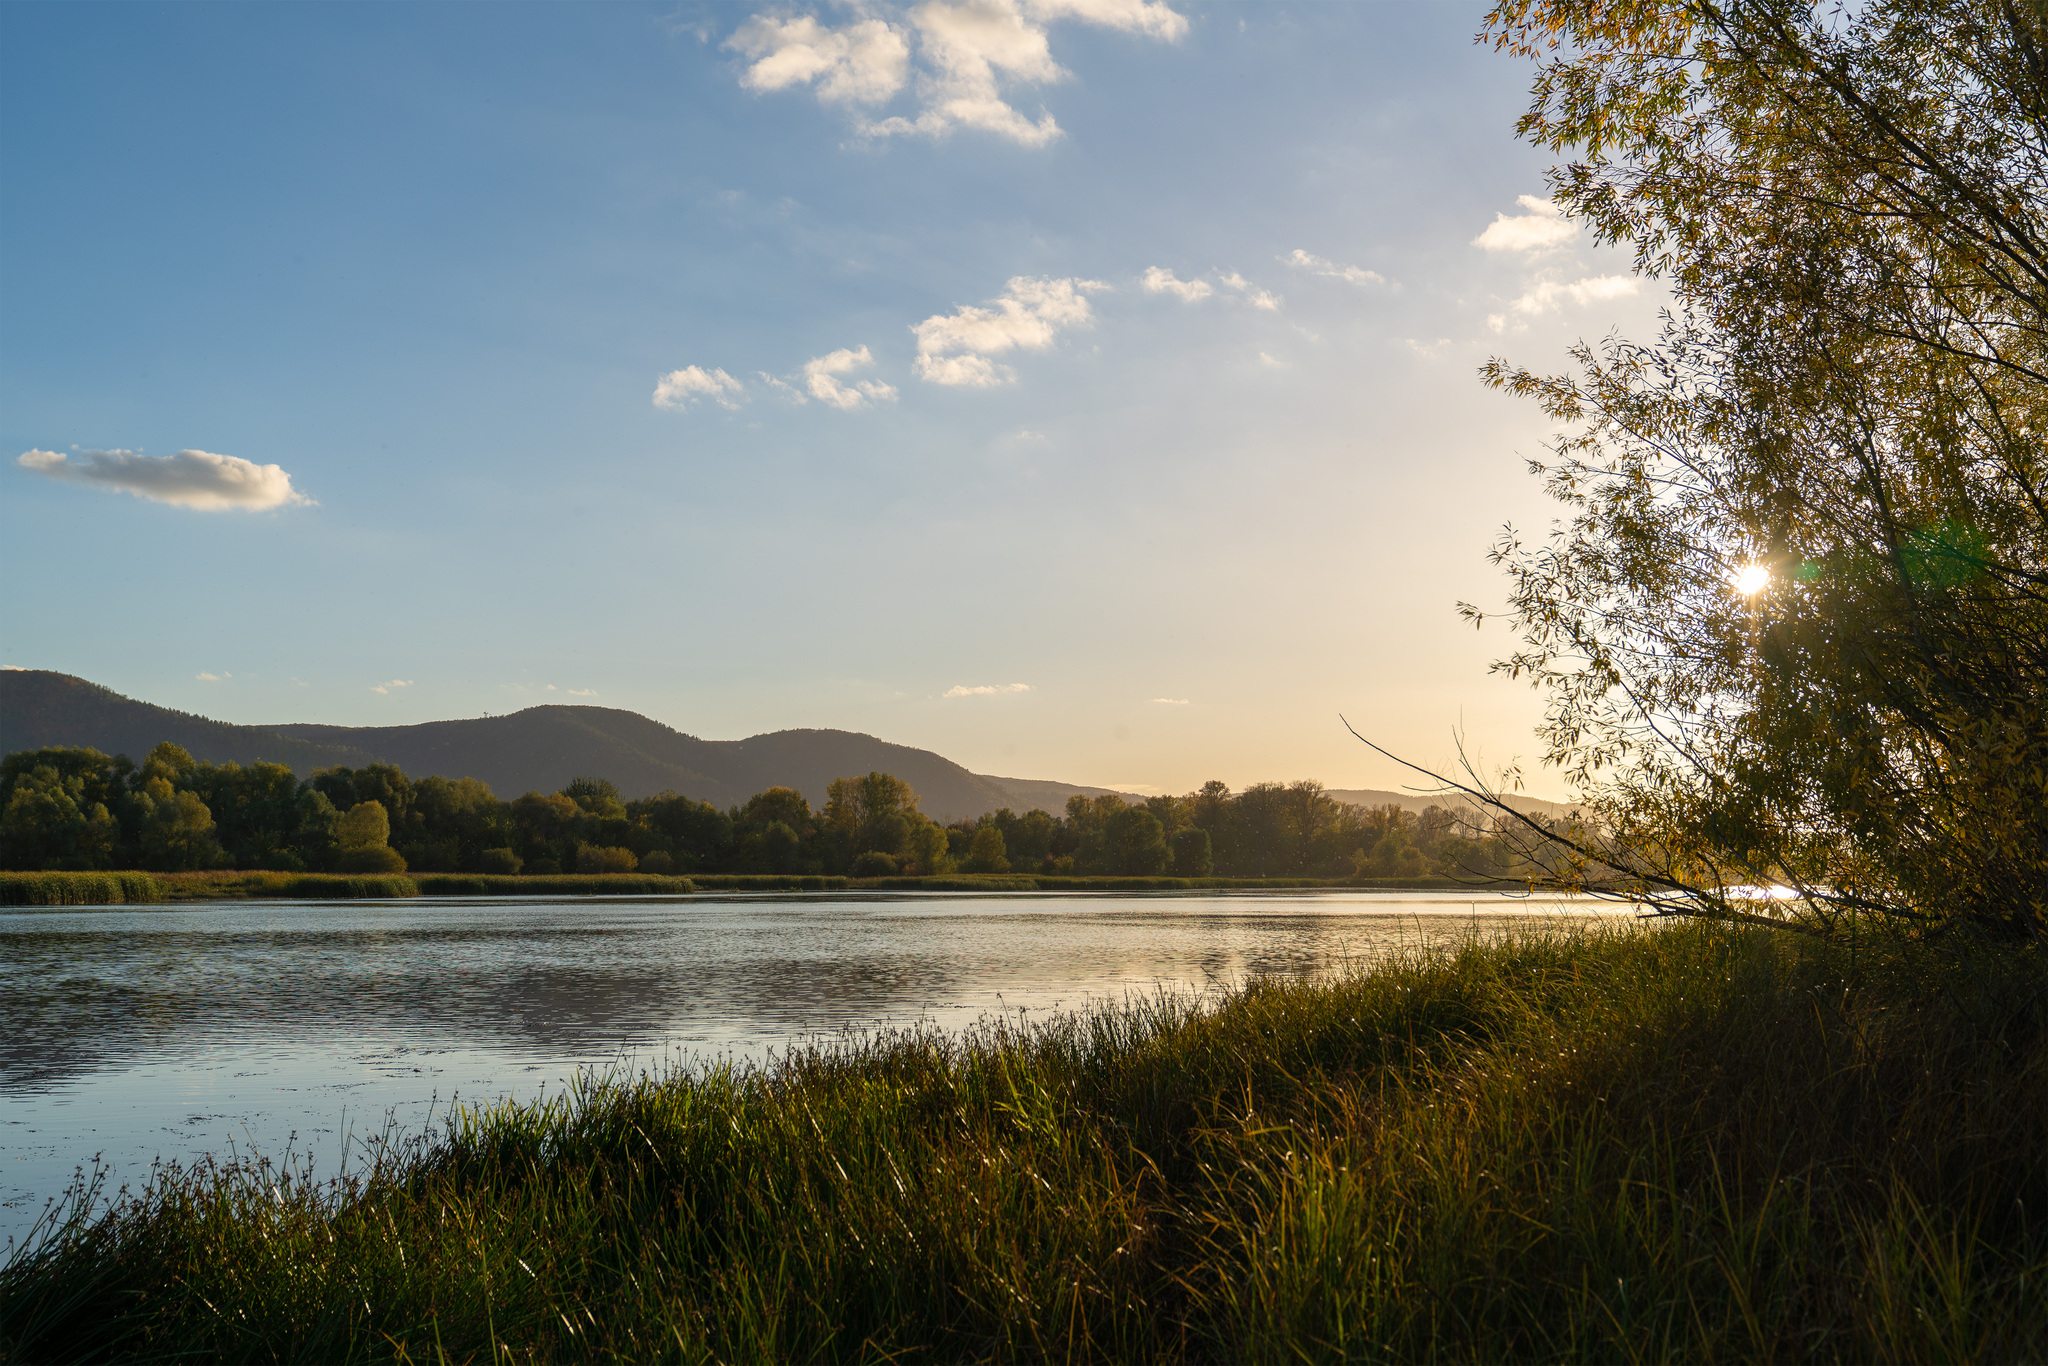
542, 748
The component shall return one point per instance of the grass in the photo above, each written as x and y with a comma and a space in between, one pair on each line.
1692, 1143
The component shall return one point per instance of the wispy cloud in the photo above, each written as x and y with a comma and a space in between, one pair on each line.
985, 689
1318, 265
1160, 280
211, 678
821, 377
954, 348
959, 56
1170, 701
580, 692
1540, 229
1253, 295
189, 479
386, 686
677, 389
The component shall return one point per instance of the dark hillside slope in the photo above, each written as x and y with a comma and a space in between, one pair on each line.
542, 748
539, 749
39, 708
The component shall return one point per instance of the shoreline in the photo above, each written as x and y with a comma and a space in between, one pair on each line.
1698, 1143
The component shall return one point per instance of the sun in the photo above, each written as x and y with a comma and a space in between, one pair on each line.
1752, 579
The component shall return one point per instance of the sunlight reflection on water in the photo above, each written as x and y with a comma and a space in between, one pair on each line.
168, 1032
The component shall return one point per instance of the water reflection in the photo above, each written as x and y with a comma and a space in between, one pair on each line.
170, 1032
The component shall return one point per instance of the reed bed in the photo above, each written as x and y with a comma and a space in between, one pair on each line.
78, 889
1608, 1143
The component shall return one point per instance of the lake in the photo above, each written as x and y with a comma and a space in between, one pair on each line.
131, 1034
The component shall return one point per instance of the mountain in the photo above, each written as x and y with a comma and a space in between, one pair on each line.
539, 749
542, 748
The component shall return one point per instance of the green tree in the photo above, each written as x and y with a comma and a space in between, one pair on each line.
875, 812
1192, 856
1794, 626
177, 829
985, 852
362, 841
1136, 843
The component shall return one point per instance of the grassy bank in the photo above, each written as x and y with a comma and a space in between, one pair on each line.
1624, 1144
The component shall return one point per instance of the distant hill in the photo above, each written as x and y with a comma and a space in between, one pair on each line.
539, 749
542, 748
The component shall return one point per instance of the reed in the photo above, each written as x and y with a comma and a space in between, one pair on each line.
1690, 1143
78, 889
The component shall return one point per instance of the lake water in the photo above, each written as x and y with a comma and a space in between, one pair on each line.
136, 1034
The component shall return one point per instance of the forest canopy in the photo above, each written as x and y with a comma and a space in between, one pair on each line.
74, 808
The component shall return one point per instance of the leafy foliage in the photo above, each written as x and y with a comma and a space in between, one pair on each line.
1848, 400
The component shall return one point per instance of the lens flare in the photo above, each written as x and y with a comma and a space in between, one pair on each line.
1752, 579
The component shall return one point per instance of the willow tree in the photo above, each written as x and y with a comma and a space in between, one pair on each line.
1793, 625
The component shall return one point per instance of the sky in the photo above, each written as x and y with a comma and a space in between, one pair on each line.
1083, 389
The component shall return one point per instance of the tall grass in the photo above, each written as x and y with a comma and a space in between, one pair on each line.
78, 889
1695, 1143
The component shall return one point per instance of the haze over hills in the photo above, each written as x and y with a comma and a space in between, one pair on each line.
543, 748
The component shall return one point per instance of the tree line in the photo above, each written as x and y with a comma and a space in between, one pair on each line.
76, 808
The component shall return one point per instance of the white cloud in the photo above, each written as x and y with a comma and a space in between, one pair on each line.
1148, 17
211, 678
783, 387
191, 479
866, 62
955, 348
1547, 295
966, 52
1160, 280
1317, 265
1428, 350
581, 692
985, 689
821, 378
386, 687
1170, 701
677, 388
1272, 361
1540, 229
1253, 295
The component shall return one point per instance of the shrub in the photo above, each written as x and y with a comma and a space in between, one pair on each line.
375, 858
658, 861
874, 863
498, 861
595, 858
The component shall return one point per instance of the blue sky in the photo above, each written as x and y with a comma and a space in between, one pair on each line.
1081, 388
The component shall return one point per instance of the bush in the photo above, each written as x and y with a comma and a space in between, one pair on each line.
594, 858
375, 858
498, 861
874, 863
658, 861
